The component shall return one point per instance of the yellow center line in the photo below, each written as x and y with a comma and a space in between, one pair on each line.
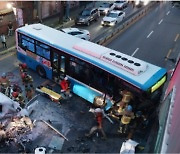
177, 36
169, 52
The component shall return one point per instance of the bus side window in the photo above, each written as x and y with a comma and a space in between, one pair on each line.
43, 50
28, 43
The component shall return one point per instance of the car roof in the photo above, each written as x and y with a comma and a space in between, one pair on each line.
115, 11
67, 30
122, 1
106, 4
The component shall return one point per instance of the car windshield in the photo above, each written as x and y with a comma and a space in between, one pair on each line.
85, 13
105, 5
112, 15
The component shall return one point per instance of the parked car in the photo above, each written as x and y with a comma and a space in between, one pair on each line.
88, 15
81, 33
113, 18
106, 7
121, 4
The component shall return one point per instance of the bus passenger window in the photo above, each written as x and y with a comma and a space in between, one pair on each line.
28, 43
43, 50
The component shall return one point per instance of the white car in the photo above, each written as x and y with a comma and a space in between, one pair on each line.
120, 4
81, 33
106, 7
113, 18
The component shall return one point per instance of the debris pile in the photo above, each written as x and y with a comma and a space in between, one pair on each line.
14, 123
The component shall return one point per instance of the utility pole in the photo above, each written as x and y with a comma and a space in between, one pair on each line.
68, 10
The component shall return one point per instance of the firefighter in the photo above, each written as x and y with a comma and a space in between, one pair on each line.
22, 67
122, 105
20, 99
127, 116
27, 80
4, 83
65, 87
99, 114
127, 96
29, 93
17, 88
14, 95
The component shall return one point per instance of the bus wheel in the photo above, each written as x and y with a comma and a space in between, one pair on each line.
40, 70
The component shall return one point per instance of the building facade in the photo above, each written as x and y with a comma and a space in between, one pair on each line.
27, 12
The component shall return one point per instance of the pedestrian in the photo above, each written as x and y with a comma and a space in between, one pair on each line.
10, 28
3, 40
65, 87
99, 114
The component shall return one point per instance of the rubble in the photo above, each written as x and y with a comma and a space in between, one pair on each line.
15, 123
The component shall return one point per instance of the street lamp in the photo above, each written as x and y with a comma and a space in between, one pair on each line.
9, 5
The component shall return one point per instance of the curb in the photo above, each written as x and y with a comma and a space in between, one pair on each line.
66, 24
11, 49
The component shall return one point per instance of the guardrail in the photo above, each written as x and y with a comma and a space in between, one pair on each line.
106, 37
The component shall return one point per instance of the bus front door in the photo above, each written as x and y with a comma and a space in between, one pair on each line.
58, 66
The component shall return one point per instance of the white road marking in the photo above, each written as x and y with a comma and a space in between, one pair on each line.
177, 36
134, 52
160, 21
167, 12
173, 6
150, 34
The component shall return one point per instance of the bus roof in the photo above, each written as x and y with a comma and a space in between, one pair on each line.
137, 72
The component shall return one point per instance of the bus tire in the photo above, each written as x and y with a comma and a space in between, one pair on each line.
40, 70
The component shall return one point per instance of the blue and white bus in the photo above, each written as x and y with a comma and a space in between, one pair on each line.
93, 70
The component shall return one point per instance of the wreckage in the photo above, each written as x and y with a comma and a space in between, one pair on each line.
18, 129
14, 121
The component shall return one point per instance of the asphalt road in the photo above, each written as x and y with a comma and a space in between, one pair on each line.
95, 28
151, 38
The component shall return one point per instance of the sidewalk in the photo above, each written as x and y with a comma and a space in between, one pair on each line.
52, 22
